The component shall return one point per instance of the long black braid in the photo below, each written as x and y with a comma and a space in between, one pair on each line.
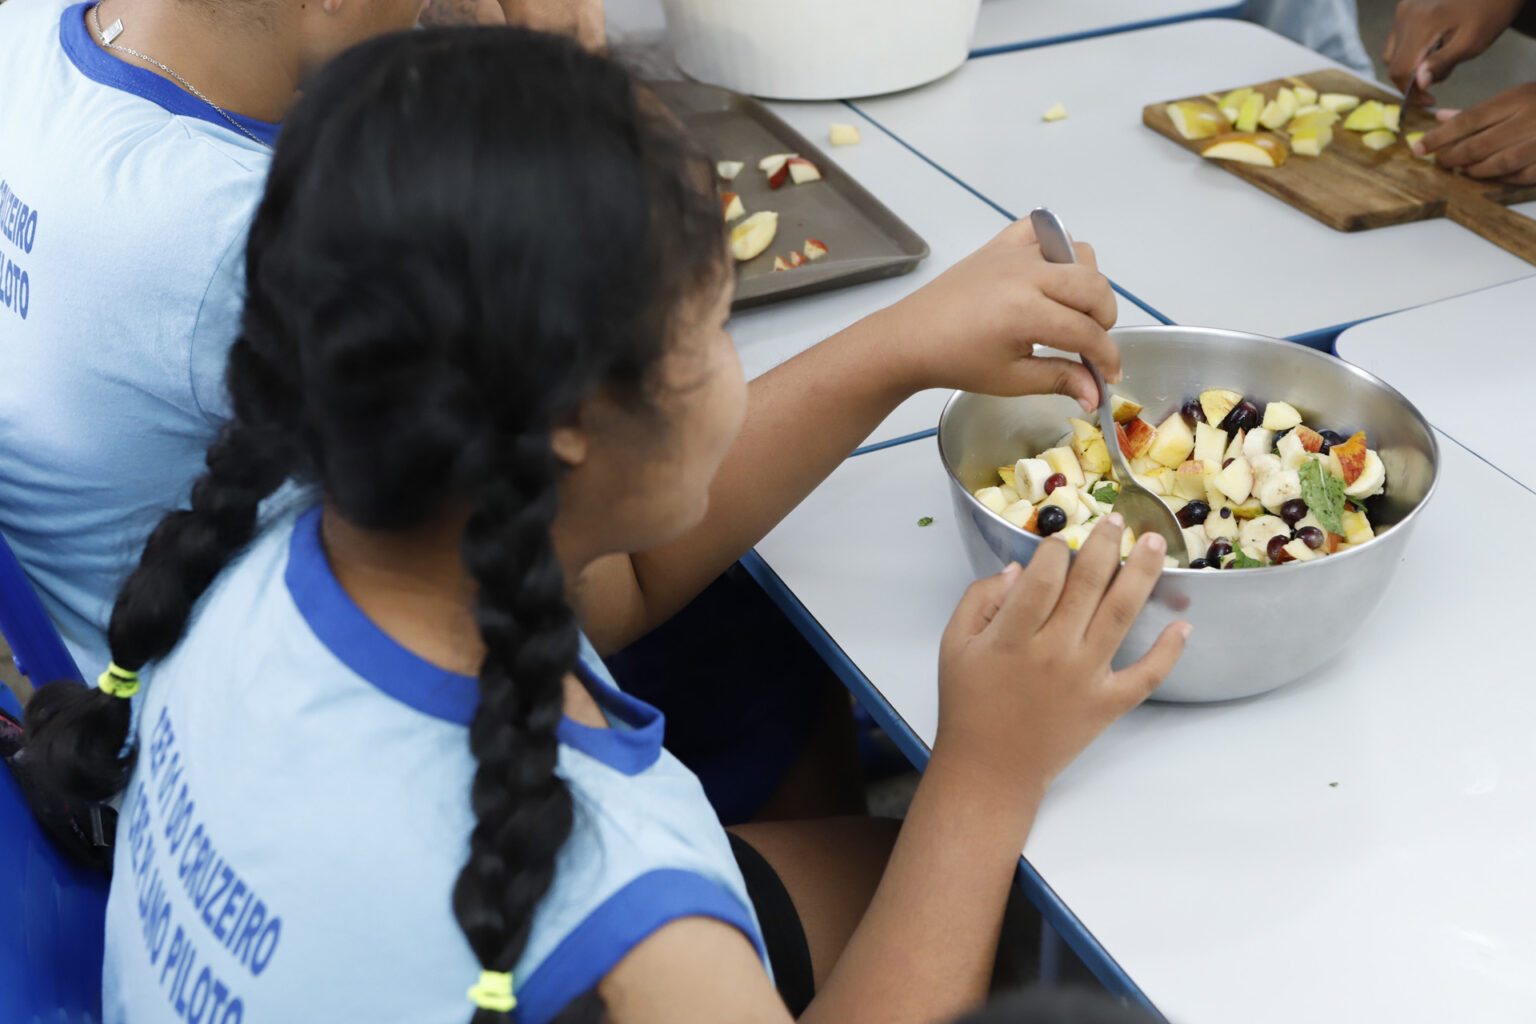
464, 233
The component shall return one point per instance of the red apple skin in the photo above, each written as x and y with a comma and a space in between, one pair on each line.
797, 259
1033, 526
779, 176
1192, 466
1137, 435
815, 248
779, 264
1352, 457
804, 163
1332, 542
1310, 439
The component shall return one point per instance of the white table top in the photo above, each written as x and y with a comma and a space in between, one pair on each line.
1191, 240
953, 221
1459, 361
1205, 846
1017, 23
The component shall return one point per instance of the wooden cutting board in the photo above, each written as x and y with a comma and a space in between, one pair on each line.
1353, 188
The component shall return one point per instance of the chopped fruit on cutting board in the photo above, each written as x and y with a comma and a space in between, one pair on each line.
1262, 149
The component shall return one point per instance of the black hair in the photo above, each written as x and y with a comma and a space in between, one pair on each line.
465, 232
1057, 1006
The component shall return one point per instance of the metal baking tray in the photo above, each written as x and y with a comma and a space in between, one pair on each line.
865, 240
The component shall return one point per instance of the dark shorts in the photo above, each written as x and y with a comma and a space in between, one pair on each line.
783, 935
740, 688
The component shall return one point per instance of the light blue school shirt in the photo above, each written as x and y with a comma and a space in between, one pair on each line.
124, 206
299, 812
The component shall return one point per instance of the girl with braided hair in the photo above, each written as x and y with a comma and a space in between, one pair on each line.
484, 406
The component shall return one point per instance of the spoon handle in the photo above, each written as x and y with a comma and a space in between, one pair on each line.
1056, 247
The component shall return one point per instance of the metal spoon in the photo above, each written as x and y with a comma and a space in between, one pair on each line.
1142, 510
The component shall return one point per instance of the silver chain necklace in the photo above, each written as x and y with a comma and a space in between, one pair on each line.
116, 29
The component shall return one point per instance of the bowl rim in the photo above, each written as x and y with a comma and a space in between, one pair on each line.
1214, 333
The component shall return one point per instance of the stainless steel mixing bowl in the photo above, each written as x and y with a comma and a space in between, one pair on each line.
1245, 641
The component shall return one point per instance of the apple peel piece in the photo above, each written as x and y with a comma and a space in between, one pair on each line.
752, 236
1351, 457
1259, 150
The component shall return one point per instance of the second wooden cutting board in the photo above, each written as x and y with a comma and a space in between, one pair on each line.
1353, 188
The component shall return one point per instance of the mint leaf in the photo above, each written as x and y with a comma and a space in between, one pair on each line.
1242, 561
1106, 493
928, 521
1324, 494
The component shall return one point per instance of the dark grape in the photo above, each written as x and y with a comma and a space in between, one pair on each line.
1276, 544
1293, 511
1332, 437
1244, 416
1218, 550
1193, 514
1199, 563
1312, 536
1054, 481
1050, 519
1226, 513
1192, 412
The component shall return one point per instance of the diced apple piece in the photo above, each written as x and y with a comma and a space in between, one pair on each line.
1217, 402
728, 169
730, 205
1311, 440
753, 235
797, 259
777, 177
814, 249
1264, 466
1021, 514
1280, 416
1331, 463
1123, 409
1056, 113
1351, 456
1063, 460
1195, 542
802, 170
1141, 465
843, 135
1127, 543
1255, 534
1005, 473
1316, 117
1378, 140
1164, 478
1010, 495
1236, 481
1311, 141
1367, 117
1275, 113
1247, 118
1196, 119
1412, 139
1258, 442
1030, 476
1152, 481
1293, 454
1299, 551
1173, 441
1357, 528
1092, 453
1231, 104
1189, 480
1392, 117
1210, 443
779, 264
1249, 509
1064, 498
1075, 535
1372, 478
1278, 488
992, 498
1138, 436
1235, 449
1257, 148
773, 162
1338, 102
1306, 96
1332, 542
1081, 428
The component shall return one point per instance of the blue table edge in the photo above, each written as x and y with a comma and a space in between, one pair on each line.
1220, 11
1055, 912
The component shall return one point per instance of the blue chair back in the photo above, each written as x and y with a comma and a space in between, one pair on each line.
35, 643
52, 916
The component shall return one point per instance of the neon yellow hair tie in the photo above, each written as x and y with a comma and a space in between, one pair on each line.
494, 992
118, 682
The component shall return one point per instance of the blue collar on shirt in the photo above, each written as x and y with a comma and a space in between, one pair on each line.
630, 748
100, 66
